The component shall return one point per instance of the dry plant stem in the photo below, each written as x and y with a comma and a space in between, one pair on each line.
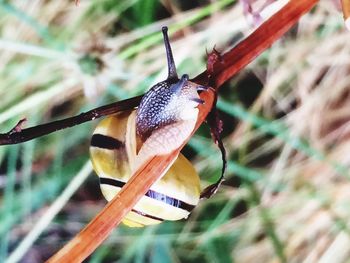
258, 41
18, 135
99, 228
229, 64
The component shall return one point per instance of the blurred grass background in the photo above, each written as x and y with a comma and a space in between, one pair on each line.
286, 129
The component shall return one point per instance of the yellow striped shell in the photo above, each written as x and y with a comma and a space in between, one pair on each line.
122, 143
113, 153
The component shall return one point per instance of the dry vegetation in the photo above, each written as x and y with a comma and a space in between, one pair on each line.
286, 121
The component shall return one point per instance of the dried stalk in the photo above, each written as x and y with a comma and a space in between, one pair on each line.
18, 135
230, 63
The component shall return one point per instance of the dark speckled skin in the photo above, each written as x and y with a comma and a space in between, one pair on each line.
157, 109
168, 101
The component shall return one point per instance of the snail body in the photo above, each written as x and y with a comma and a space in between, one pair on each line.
122, 143
113, 152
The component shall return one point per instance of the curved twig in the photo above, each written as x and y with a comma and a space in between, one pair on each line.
82, 245
18, 135
220, 69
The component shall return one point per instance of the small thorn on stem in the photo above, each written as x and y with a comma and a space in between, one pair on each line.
18, 127
211, 189
213, 57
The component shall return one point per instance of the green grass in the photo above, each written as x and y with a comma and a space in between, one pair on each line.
287, 177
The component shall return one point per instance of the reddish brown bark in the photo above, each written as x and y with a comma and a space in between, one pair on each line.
99, 228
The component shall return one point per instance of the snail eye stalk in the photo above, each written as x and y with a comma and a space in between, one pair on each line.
172, 74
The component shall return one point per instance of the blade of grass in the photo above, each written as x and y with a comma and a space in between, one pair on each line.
246, 173
9, 197
37, 99
161, 252
32, 50
27, 158
279, 130
267, 222
259, 40
42, 31
151, 40
43, 191
100, 227
51, 212
144, 11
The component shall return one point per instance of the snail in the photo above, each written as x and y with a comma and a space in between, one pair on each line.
121, 143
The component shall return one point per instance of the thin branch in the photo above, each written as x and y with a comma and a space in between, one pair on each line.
225, 67
261, 39
99, 228
18, 135
50, 213
19, 126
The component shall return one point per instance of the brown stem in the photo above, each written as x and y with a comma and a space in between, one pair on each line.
22, 135
223, 69
262, 38
99, 228
83, 244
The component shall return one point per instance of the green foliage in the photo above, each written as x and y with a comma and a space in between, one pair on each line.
58, 60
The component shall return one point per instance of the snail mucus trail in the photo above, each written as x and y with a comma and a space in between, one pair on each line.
121, 143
